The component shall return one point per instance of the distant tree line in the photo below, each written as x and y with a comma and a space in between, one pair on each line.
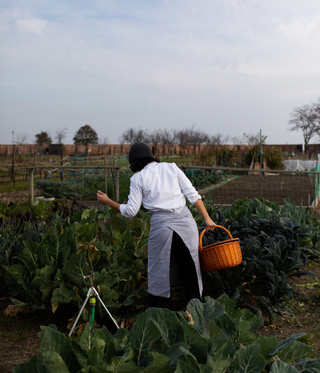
86, 135
158, 138
41, 138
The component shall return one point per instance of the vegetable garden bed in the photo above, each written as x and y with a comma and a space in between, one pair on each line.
19, 339
46, 275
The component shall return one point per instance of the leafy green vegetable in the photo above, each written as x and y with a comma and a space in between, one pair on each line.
53, 270
152, 347
48, 268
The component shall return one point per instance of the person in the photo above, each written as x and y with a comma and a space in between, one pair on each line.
173, 257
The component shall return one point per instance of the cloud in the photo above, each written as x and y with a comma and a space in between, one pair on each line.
31, 25
175, 62
22, 20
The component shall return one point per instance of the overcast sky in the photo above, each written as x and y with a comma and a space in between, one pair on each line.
228, 67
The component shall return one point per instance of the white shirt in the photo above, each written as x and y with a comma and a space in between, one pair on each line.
160, 187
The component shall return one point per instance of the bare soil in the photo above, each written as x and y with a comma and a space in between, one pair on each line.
20, 196
305, 306
19, 328
272, 187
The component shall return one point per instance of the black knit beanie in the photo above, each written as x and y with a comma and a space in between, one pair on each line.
139, 150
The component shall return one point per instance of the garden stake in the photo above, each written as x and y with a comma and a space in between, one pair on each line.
92, 294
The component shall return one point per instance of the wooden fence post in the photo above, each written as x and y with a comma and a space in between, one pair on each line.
105, 174
13, 178
117, 184
31, 187
61, 161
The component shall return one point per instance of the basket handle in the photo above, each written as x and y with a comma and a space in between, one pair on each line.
217, 226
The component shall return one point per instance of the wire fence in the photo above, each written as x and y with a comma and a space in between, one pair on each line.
301, 187
56, 171
64, 178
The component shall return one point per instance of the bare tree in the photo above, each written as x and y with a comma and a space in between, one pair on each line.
61, 135
167, 140
216, 140
155, 138
21, 138
182, 138
121, 141
196, 137
133, 135
103, 142
304, 118
238, 140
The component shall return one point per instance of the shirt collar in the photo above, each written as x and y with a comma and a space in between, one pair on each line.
149, 164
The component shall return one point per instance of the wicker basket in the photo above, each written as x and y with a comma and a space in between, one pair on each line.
220, 255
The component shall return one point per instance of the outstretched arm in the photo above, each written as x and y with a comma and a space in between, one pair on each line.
204, 213
103, 199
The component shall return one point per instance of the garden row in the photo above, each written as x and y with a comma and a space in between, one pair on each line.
46, 252
208, 337
86, 183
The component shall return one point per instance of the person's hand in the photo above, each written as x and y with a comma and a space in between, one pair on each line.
203, 211
210, 224
102, 198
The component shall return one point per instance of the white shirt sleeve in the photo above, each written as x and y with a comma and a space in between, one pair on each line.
187, 188
131, 208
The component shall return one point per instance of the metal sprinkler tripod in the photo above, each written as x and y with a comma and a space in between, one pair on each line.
92, 294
